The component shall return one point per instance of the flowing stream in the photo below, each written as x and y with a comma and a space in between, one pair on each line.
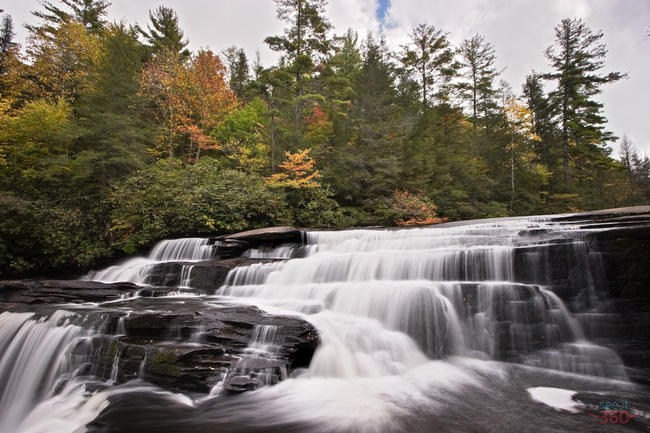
430, 329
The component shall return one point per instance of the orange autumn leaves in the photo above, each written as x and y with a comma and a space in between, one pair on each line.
297, 171
191, 99
413, 209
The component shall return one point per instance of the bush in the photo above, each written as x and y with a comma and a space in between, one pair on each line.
42, 238
174, 200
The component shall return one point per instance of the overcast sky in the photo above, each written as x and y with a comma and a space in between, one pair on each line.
520, 30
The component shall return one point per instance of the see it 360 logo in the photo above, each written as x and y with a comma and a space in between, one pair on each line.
613, 412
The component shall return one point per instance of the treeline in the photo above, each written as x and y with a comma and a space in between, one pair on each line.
114, 136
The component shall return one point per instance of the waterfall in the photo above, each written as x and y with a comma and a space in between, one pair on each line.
436, 322
137, 270
406, 296
35, 355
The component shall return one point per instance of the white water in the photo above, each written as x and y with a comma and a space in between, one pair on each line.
407, 320
36, 355
138, 269
387, 300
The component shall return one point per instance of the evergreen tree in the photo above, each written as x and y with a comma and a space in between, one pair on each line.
366, 171
164, 33
239, 70
6, 35
544, 126
577, 56
345, 64
115, 131
90, 13
6, 42
301, 44
430, 58
478, 60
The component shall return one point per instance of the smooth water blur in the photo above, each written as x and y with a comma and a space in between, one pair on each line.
138, 269
428, 329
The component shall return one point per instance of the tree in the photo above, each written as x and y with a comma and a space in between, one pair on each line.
164, 33
297, 171
577, 56
244, 137
340, 84
274, 85
162, 83
637, 172
544, 126
364, 170
478, 59
6, 36
115, 129
520, 129
305, 38
209, 97
37, 149
64, 65
239, 71
8, 48
90, 13
430, 58
413, 209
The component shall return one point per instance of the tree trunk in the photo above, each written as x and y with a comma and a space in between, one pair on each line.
272, 141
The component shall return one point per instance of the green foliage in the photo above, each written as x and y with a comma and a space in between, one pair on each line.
314, 207
164, 33
90, 13
170, 199
243, 135
37, 143
43, 237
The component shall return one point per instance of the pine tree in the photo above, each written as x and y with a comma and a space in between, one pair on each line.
430, 58
6, 41
478, 60
164, 33
544, 126
301, 44
577, 56
239, 70
90, 13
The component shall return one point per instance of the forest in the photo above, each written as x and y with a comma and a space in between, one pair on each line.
115, 135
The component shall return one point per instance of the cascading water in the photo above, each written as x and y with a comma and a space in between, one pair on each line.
36, 356
427, 329
451, 291
137, 270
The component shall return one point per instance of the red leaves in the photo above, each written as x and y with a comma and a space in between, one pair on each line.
414, 209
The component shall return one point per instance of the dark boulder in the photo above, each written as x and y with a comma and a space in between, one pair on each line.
190, 350
233, 245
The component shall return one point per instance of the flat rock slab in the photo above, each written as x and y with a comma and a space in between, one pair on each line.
265, 236
15, 294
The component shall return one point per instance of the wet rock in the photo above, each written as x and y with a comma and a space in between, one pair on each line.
265, 236
233, 245
19, 294
206, 275
189, 350
619, 243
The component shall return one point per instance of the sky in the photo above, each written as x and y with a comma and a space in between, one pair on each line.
520, 31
